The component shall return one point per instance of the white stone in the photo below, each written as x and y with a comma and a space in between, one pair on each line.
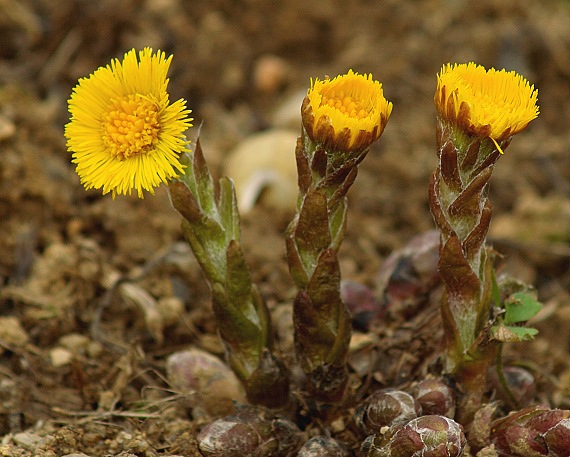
60, 356
263, 167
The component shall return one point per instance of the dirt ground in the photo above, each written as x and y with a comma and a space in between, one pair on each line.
82, 359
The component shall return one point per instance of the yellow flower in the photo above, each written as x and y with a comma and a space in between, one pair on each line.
494, 104
123, 133
347, 113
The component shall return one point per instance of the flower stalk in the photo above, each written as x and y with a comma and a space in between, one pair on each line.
125, 134
478, 113
212, 228
341, 119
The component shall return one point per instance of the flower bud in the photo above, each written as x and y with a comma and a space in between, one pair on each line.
508, 430
435, 397
372, 447
532, 431
479, 430
548, 428
425, 436
322, 446
250, 432
386, 408
557, 439
543, 422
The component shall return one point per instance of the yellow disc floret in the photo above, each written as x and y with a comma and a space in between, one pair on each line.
348, 112
131, 126
490, 103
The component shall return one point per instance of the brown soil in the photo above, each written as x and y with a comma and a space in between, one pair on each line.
82, 366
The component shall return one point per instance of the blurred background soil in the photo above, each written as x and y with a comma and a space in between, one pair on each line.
95, 294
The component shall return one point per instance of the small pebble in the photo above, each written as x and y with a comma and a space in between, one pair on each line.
7, 128
269, 73
60, 356
6, 450
27, 440
94, 349
170, 308
215, 386
362, 340
75, 342
12, 332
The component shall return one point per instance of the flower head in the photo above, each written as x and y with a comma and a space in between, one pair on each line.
347, 113
123, 133
488, 103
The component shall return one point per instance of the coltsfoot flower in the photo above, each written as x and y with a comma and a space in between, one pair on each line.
346, 113
488, 103
478, 112
124, 133
341, 118
386, 408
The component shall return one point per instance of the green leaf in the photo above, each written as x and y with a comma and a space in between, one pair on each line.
238, 285
204, 182
228, 210
312, 233
512, 334
520, 307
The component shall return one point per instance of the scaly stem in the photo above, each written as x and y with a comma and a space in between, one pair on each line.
212, 228
321, 320
461, 210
